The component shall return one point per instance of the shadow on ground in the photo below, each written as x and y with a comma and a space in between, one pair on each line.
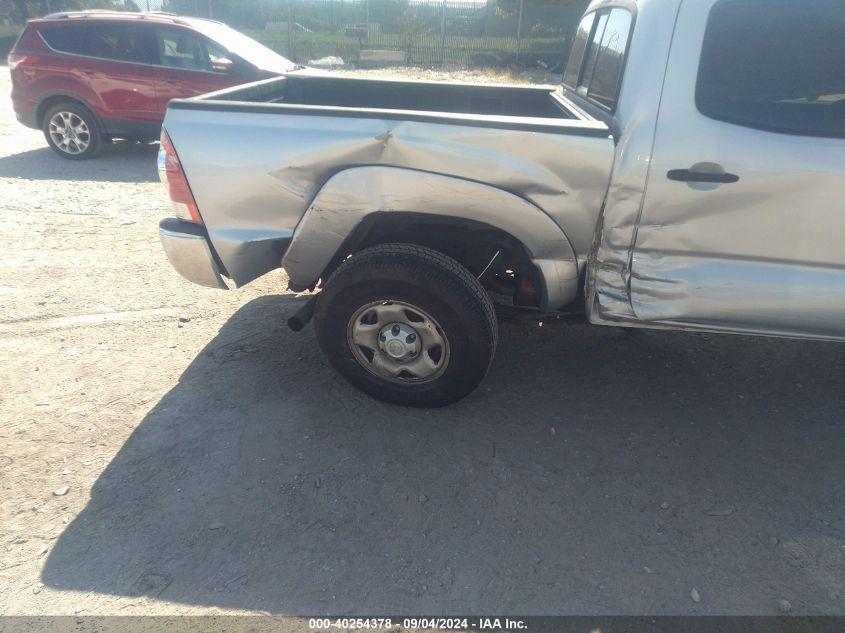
263, 482
122, 161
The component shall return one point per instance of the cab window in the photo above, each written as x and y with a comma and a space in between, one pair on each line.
776, 65
598, 56
579, 47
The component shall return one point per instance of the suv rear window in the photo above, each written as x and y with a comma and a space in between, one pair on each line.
598, 55
123, 42
777, 65
65, 38
105, 40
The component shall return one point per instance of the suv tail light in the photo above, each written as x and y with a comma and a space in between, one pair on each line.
173, 176
16, 59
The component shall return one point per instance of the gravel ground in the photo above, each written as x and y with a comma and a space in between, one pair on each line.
489, 75
168, 449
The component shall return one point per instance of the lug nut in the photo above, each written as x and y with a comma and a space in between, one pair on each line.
396, 330
411, 338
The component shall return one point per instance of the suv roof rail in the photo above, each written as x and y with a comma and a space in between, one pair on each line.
110, 12
70, 14
138, 15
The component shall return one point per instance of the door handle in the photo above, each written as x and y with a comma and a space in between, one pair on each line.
690, 175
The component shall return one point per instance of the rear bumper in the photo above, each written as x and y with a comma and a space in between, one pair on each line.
189, 252
25, 116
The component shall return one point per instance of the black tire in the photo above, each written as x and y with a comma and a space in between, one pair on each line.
425, 280
90, 137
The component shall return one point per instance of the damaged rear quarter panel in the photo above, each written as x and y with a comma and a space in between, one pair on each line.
355, 193
255, 177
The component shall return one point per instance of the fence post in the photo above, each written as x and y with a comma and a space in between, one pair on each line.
443, 35
290, 30
519, 31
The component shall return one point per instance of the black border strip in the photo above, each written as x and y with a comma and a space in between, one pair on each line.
479, 624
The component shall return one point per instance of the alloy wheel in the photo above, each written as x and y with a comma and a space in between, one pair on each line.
70, 133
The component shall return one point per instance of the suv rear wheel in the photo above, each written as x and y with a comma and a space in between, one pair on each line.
407, 325
72, 131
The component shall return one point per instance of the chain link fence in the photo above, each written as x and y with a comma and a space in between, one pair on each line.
492, 33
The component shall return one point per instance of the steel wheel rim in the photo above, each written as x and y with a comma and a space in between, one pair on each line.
398, 342
70, 133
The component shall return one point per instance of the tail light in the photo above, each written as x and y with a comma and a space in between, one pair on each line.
173, 176
16, 59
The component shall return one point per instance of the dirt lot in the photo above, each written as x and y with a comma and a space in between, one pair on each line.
215, 464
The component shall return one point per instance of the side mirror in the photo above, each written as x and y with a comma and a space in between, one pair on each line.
222, 65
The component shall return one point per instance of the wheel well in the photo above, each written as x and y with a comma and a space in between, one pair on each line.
47, 103
499, 260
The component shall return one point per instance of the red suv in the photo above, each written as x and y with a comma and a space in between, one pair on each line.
86, 78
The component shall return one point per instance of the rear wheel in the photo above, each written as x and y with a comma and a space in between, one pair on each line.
72, 131
407, 325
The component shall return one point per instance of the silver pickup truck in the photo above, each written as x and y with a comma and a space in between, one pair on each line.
689, 173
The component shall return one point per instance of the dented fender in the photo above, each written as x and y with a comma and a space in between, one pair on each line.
279, 159
352, 195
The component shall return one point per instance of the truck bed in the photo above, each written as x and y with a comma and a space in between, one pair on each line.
256, 156
421, 96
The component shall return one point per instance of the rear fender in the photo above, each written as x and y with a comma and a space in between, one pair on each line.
69, 91
351, 195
